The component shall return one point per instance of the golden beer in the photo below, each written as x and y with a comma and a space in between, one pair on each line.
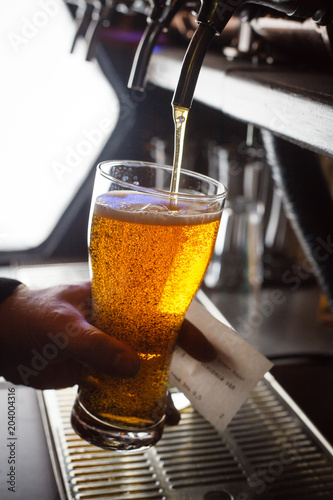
147, 263
148, 257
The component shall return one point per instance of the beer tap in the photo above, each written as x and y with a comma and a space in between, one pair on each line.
212, 19
162, 12
99, 21
76, 7
91, 18
84, 15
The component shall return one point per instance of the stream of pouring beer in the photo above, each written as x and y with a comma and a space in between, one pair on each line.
180, 119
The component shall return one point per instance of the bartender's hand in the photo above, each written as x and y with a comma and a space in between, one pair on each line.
46, 338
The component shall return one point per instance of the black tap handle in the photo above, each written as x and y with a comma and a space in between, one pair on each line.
145, 48
84, 23
156, 7
212, 19
75, 6
100, 19
191, 66
148, 41
138, 75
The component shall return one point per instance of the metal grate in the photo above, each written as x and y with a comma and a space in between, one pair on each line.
269, 451
287, 461
194, 454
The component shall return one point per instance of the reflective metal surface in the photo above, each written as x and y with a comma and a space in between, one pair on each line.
269, 451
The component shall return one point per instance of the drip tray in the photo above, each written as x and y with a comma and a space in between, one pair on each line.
269, 451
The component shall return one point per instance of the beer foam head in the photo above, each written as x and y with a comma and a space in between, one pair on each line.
142, 208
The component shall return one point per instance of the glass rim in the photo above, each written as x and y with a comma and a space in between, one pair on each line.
165, 194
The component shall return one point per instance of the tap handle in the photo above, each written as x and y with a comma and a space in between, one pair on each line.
101, 19
83, 18
76, 7
138, 75
156, 9
191, 66
212, 19
157, 23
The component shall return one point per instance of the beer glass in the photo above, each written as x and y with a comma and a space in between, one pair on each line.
148, 252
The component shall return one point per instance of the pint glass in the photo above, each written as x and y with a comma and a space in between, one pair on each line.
148, 251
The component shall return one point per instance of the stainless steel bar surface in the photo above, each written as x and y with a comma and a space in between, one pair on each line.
270, 451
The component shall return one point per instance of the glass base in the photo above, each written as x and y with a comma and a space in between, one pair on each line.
111, 437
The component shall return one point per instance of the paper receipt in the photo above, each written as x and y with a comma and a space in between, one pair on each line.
219, 388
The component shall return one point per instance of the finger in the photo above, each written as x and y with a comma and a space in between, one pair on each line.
90, 346
193, 341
